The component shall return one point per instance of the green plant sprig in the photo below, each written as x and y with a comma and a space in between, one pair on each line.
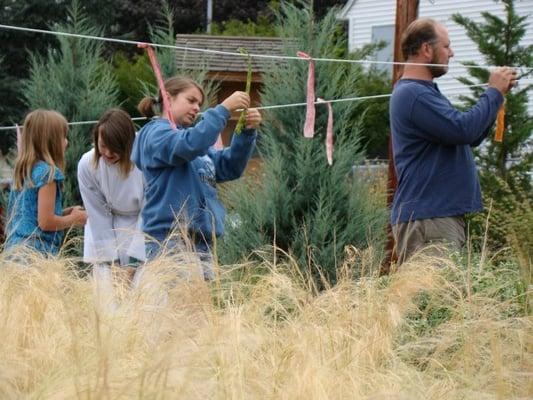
242, 117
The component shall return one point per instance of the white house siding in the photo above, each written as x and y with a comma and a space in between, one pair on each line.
364, 14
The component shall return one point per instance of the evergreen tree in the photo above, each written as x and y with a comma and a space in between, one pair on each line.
162, 32
75, 81
302, 205
505, 167
13, 52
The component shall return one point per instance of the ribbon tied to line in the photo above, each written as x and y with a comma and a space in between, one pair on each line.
309, 127
159, 77
329, 131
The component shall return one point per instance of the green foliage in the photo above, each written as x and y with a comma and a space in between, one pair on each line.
163, 33
8, 111
13, 53
302, 205
374, 113
469, 281
76, 82
130, 76
504, 167
234, 27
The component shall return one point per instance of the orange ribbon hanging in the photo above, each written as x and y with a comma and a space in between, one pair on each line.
160, 82
500, 124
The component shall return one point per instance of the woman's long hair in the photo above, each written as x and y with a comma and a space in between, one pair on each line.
117, 132
43, 139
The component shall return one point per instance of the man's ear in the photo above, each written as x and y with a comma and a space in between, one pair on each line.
426, 50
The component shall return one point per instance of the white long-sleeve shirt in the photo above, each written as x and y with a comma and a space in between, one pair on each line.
113, 204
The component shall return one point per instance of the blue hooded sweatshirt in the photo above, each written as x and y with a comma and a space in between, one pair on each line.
181, 168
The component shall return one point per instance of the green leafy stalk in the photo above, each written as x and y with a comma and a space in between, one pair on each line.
242, 118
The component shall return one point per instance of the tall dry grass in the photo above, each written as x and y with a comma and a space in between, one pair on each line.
423, 333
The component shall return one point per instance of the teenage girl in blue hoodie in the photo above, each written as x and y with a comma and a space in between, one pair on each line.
181, 167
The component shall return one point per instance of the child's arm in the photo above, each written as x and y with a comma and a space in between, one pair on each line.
46, 217
231, 161
170, 149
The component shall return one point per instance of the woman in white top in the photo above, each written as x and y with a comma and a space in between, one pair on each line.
111, 187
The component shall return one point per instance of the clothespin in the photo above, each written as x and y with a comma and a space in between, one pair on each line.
160, 82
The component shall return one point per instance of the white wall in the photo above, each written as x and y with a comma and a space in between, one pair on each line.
367, 13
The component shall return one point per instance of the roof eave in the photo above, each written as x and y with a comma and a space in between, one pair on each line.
343, 14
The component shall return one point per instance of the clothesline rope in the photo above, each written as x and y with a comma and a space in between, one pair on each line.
360, 98
5, 128
237, 54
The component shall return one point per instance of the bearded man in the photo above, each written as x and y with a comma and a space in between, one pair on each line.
432, 144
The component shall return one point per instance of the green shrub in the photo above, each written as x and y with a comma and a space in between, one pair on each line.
302, 206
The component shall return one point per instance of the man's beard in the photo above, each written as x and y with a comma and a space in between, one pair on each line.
435, 70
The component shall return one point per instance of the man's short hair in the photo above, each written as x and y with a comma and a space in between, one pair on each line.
417, 33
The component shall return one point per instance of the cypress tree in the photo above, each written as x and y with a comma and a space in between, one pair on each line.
74, 80
163, 32
301, 205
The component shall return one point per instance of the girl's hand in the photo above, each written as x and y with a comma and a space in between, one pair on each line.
78, 215
253, 118
68, 210
237, 101
47, 219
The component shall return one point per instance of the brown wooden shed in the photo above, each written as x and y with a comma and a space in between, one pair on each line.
227, 70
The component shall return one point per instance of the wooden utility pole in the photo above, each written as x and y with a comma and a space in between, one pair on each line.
406, 12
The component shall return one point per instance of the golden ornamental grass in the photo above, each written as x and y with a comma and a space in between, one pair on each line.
264, 336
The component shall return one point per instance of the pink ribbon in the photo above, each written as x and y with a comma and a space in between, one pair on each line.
160, 82
329, 132
19, 138
309, 127
219, 145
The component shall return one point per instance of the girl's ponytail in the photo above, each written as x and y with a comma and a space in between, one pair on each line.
146, 106
151, 106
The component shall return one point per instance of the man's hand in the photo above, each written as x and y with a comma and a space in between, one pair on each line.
503, 79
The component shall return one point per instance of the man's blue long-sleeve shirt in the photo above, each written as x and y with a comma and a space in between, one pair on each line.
431, 142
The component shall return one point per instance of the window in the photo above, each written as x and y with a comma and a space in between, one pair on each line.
384, 33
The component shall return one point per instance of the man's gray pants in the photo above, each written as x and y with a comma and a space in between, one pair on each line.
413, 236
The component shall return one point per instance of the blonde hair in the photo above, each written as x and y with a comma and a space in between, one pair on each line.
173, 86
43, 138
117, 132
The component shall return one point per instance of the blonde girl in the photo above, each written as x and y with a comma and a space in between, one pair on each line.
35, 215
